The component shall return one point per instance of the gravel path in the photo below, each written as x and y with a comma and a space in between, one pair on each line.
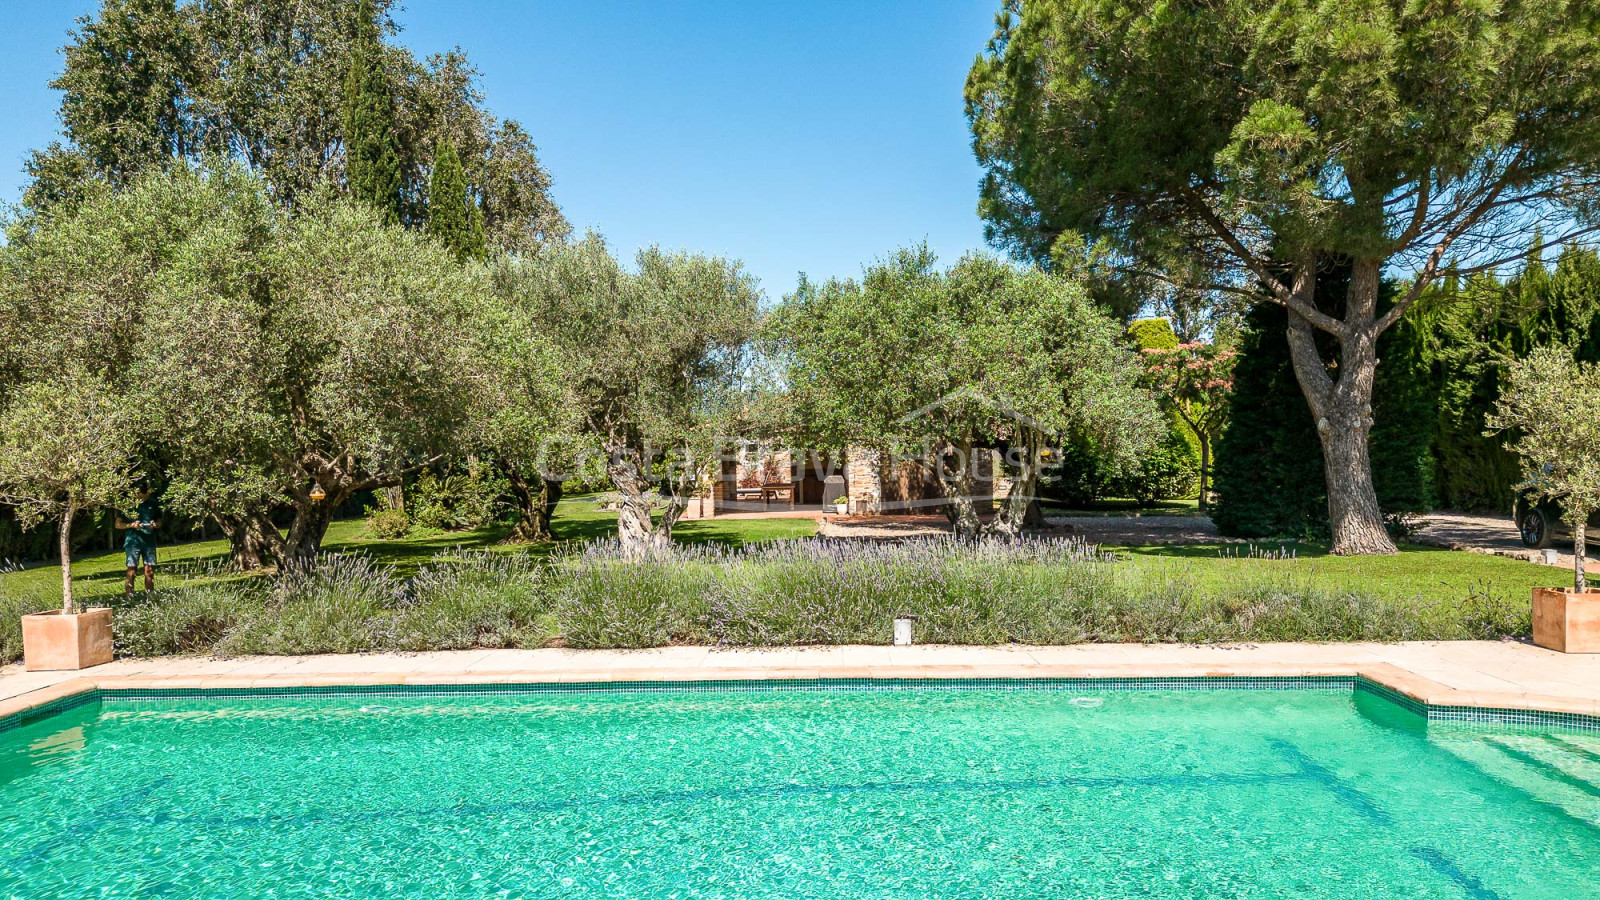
1121, 530
1488, 533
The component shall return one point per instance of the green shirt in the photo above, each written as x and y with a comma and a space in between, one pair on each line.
148, 512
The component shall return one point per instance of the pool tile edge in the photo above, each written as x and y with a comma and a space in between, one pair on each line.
1428, 698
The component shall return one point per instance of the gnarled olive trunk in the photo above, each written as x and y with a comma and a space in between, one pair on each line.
955, 472
1342, 406
310, 526
253, 541
1021, 504
536, 502
636, 529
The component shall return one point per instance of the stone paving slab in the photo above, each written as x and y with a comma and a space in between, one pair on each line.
1499, 674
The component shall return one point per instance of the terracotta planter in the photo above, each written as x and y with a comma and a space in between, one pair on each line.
53, 640
1566, 621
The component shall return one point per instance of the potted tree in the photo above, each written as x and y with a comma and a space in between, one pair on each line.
1553, 403
64, 450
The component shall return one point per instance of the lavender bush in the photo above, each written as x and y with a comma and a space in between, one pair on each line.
1036, 591
340, 606
466, 600
1032, 591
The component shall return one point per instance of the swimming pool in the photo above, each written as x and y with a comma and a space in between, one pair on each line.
827, 792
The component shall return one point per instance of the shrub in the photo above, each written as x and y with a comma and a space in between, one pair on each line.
459, 501
12, 608
1168, 471
606, 599
186, 619
1042, 591
819, 591
1080, 477
1152, 334
474, 600
388, 523
340, 606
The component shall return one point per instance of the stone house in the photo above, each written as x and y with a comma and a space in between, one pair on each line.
757, 479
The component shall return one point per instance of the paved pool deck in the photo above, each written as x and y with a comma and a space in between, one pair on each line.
1482, 674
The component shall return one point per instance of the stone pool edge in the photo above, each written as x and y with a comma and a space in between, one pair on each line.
1434, 701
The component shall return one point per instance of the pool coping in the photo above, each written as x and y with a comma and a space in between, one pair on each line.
1430, 699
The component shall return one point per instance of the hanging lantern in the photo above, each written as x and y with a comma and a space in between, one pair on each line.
317, 493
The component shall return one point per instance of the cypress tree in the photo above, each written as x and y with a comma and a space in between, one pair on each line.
479, 243
372, 150
1269, 478
453, 218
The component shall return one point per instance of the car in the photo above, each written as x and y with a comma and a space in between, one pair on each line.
1540, 519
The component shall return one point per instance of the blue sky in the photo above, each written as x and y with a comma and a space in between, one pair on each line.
797, 136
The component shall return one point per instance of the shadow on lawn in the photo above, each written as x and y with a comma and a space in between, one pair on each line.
1266, 549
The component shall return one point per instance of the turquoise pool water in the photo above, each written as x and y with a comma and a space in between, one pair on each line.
826, 794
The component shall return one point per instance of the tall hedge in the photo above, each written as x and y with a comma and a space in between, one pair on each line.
1474, 330
1269, 471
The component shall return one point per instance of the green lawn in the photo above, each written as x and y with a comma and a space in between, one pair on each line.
1416, 571
1114, 506
579, 518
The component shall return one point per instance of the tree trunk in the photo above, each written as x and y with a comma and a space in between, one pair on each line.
1013, 515
1580, 564
310, 526
68, 607
536, 502
253, 541
1343, 409
1205, 468
1352, 501
1034, 517
958, 486
636, 530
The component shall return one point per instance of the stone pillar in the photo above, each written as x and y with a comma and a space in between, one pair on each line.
984, 465
863, 475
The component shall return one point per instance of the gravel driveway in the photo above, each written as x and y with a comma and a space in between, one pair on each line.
1488, 533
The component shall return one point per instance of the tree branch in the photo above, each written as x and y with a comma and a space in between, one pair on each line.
1283, 295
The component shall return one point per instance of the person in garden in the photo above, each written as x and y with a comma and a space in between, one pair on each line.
139, 541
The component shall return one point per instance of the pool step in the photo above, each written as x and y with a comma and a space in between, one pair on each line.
1560, 770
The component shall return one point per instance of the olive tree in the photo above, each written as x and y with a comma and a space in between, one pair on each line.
1273, 140
654, 357
940, 364
1551, 402
524, 419
283, 362
347, 367
65, 445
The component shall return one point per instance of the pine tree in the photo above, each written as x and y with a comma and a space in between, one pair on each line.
454, 219
372, 149
1270, 479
